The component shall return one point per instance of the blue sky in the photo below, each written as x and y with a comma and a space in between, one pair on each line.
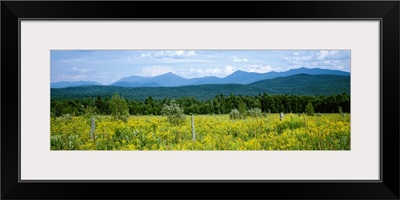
106, 67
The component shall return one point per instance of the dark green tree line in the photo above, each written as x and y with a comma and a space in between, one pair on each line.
220, 104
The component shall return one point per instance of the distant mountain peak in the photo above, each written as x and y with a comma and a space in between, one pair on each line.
238, 77
169, 73
243, 72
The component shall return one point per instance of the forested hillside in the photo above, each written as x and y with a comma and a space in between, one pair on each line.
310, 85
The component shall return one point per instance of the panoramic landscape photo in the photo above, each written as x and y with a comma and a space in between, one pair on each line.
200, 99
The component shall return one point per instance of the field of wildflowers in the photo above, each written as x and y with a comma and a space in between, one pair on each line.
213, 132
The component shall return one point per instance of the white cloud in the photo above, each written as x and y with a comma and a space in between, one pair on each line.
258, 68
334, 52
198, 71
170, 60
222, 71
145, 55
166, 54
324, 59
297, 58
74, 61
213, 71
80, 61
202, 72
229, 70
76, 69
181, 53
322, 55
156, 70
219, 72
237, 59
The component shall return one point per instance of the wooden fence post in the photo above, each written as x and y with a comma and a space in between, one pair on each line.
193, 132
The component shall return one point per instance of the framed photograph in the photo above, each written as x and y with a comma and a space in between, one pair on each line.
300, 98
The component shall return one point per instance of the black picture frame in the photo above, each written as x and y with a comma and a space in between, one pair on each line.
386, 11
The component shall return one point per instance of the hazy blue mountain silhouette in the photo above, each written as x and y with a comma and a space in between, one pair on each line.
237, 77
64, 84
299, 84
172, 80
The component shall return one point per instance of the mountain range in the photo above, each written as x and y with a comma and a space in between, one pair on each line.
172, 80
299, 84
64, 84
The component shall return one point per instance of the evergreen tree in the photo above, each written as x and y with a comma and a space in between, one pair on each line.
309, 109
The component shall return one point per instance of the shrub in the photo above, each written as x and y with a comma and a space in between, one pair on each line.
242, 108
119, 108
309, 109
341, 111
56, 142
89, 113
174, 113
67, 117
254, 112
235, 114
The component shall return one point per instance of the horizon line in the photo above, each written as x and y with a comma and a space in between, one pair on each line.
199, 77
